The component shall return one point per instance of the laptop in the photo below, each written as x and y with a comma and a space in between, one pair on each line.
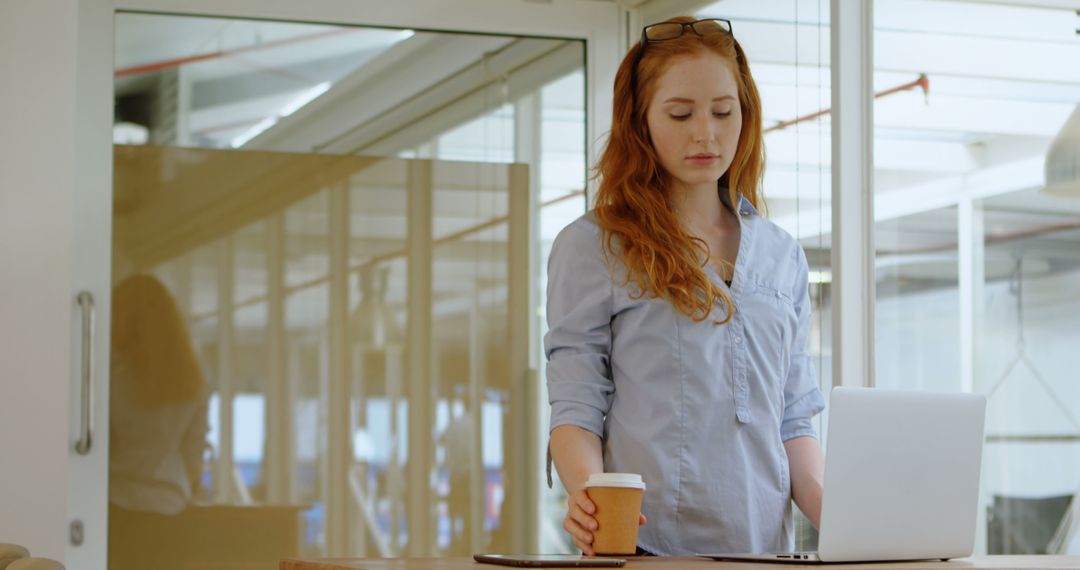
901, 478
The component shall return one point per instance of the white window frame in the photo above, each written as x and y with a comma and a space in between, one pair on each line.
853, 279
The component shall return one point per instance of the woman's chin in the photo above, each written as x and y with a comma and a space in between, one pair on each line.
699, 178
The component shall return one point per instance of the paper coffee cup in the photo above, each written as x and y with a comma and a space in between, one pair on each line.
617, 497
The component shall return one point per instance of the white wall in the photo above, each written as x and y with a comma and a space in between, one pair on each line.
37, 155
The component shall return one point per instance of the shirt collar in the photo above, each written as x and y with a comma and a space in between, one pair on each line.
745, 207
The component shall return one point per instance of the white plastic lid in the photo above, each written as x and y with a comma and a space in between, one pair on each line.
632, 480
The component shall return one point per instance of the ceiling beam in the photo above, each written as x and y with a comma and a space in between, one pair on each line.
391, 77
1005, 178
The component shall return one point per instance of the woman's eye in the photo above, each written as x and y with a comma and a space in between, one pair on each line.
728, 114
681, 117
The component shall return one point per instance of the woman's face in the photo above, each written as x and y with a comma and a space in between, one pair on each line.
694, 119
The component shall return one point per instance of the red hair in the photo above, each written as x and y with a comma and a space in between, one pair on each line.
149, 329
632, 203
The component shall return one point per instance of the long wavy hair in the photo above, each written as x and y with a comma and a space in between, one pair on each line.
149, 331
633, 206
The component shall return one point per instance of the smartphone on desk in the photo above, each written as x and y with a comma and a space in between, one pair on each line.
549, 560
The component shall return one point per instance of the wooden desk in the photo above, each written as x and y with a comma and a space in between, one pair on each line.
663, 563
205, 537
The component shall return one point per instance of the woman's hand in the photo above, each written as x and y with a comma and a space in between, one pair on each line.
580, 523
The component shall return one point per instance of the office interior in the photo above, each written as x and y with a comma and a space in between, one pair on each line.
351, 215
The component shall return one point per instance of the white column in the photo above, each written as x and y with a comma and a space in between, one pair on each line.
339, 448
478, 332
223, 474
418, 359
853, 193
280, 459
528, 150
604, 50
972, 278
395, 384
185, 86
971, 252
181, 270
522, 465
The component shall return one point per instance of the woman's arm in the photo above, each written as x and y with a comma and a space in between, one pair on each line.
580, 308
577, 454
807, 467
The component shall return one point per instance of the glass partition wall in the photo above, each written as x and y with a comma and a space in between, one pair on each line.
329, 244
977, 267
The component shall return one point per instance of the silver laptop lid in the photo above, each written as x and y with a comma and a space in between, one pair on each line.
901, 475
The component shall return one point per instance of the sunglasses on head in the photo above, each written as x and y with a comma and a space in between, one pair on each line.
670, 30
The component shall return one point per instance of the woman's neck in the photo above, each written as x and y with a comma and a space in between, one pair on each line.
699, 209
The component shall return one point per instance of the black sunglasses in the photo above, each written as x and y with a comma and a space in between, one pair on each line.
671, 30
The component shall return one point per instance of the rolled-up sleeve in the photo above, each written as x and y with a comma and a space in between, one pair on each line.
578, 342
802, 396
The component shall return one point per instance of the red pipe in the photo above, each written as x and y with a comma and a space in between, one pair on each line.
989, 239
168, 63
922, 82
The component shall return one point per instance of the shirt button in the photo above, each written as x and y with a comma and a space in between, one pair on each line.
738, 340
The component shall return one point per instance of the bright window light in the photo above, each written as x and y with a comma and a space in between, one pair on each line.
293, 106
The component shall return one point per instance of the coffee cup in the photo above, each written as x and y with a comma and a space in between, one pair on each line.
617, 497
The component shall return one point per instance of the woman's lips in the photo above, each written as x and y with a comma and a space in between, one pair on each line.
702, 159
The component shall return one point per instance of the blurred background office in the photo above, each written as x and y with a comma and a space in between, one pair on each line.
353, 219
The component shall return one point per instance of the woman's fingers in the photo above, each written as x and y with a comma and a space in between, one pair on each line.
579, 520
581, 499
582, 538
582, 518
641, 520
581, 510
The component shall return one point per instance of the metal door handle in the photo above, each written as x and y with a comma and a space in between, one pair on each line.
86, 302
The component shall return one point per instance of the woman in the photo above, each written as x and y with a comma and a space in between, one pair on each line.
158, 402
678, 314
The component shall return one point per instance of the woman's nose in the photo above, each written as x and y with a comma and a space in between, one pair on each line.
703, 131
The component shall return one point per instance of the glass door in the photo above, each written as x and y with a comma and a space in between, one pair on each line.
322, 290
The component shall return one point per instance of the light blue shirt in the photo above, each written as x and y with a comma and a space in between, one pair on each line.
700, 410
